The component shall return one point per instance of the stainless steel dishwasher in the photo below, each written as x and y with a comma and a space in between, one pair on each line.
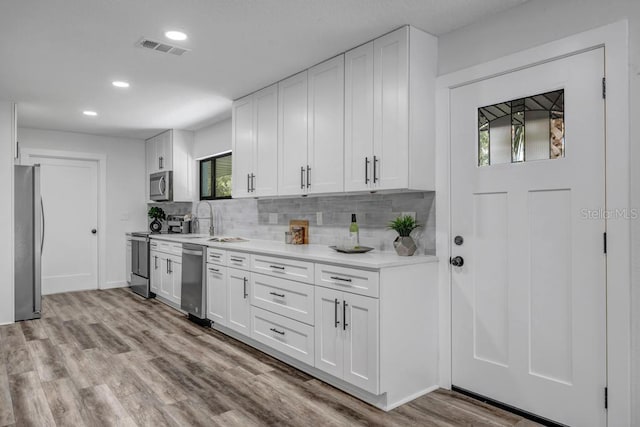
194, 290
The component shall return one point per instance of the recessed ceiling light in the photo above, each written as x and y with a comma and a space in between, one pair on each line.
118, 83
175, 35
89, 113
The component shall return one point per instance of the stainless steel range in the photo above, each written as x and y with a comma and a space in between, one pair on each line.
140, 264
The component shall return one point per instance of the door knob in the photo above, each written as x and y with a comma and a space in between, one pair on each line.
94, 231
456, 261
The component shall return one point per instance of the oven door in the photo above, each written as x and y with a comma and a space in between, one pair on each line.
161, 186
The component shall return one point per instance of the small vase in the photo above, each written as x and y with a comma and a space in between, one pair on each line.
155, 226
404, 245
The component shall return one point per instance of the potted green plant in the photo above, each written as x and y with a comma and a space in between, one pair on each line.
404, 243
157, 215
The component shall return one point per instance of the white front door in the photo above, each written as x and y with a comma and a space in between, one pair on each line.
528, 304
70, 201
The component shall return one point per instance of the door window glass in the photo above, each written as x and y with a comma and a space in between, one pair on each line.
523, 129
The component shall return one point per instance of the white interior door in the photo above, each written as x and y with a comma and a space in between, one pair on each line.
528, 304
70, 200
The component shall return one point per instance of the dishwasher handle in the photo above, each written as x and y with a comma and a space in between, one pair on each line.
191, 252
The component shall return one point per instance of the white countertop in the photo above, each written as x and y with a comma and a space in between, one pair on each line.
317, 253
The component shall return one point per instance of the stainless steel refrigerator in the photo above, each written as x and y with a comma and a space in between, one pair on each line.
29, 240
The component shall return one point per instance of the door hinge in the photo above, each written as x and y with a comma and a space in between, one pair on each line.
604, 239
604, 88
606, 398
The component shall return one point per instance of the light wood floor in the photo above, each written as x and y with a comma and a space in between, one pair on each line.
112, 358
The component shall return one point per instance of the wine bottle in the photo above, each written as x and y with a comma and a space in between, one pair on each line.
354, 232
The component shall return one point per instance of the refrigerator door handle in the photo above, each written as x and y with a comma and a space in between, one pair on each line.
39, 234
43, 225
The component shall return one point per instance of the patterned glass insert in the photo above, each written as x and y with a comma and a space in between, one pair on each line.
520, 130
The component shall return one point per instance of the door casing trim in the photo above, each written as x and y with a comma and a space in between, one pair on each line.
614, 39
101, 160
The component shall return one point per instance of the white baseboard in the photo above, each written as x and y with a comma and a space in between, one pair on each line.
114, 284
414, 396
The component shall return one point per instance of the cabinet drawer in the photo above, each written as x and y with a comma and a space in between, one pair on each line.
216, 256
283, 267
284, 297
361, 282
167, 247
238, 260
292, 338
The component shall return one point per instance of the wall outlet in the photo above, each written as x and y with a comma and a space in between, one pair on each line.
273, 218
411, 214
319, 218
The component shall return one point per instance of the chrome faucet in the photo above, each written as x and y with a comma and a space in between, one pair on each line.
210, 216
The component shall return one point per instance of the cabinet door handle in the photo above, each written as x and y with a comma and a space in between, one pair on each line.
253, 183
308, 176
160, 162
277, 267
276, 294
366, 170
335, 313
344, 315
248, 183
155, 262
277, 331
244, 284
167, 266
170, 262
342, 279
375, 169
302, 177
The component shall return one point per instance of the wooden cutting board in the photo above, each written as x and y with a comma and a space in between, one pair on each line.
301, 223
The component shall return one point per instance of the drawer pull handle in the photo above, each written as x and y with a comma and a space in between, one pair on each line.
237, 260
215, 270
214, 256
278, 267
344, 315
342, 279
277, 331
276, 294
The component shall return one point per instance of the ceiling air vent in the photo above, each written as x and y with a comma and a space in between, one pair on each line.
161, 47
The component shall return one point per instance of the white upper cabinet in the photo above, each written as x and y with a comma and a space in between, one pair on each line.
242, 146
265, 131
358, 118
159, 150
325, 148
389, 112
362, 121
255, 144
292, 138
171, 151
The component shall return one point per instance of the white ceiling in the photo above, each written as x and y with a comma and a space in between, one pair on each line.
59, 57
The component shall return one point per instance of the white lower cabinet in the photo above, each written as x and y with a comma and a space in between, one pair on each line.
288, 336
217, 294
155, 272
238, 301
347, 337
165, 278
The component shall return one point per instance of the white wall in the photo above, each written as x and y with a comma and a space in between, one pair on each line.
209, 141
125, 208
6, 214
535, 23
212, 139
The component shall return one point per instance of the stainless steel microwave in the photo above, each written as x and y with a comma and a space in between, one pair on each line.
161, 186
